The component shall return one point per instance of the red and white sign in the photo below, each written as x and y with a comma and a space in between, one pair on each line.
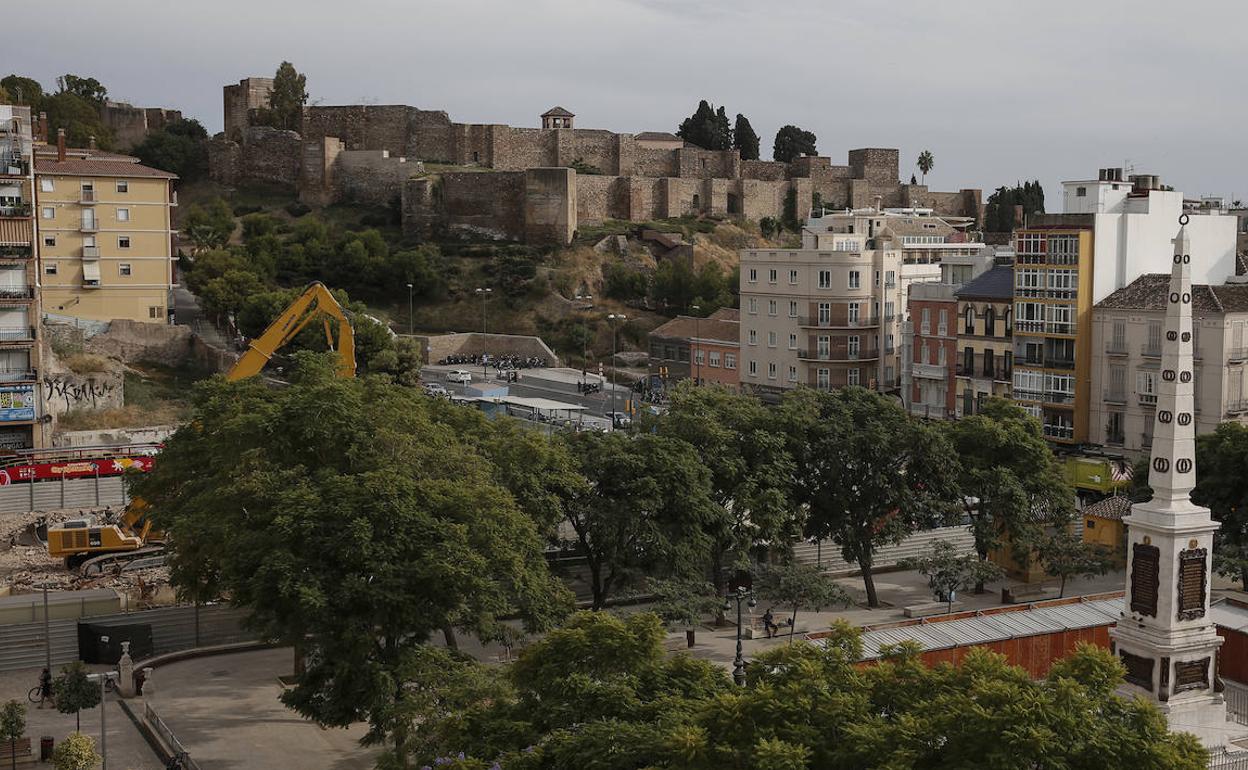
73, 469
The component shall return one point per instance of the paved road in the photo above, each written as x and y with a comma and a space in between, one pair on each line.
556, 384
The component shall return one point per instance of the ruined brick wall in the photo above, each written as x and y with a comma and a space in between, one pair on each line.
490, 204
371, 177
768, 170
597, 148
550, 205
159, 118
268, 155
655, 163
476, 143
601, 197
698, 163
880, 166
127, 122
316, 183
224, 158
362, 126
240, 99
430, 136
521, 148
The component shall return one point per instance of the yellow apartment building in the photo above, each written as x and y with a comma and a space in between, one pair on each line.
105, 236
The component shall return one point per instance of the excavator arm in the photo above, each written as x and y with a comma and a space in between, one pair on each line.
315, 301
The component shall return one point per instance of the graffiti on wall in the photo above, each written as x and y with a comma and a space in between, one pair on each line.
67, 393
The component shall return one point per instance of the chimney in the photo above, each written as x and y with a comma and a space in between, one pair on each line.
60, 145
43, 126
91, 142
879, 203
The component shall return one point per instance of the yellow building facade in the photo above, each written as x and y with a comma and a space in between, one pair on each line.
105, 238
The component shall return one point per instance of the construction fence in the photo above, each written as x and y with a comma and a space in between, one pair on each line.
96, 492
169, 629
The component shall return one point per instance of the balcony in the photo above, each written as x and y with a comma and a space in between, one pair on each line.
838, 356
86, 197
20, 210
1147, 399
18, 374
1115, 439
1029, 327
928, 411
16, 293
17, 252
1116, 348
1115, 397
89, 226
997, 374
839, 323
1059, 432
1146, 440
90, 252
1151, 350
1059, 327
1236, 355
930, 371
1237, 407
1059, 362
14, 165
18, 334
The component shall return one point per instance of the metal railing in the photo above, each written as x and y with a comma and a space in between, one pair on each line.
90, 252
14, 166
838, 323
17, 334
837, 355
165, 733
1147, 399
1116, 348
1151, 350
1052, 430
17, 252
1236, 355
15, 210
17, 292
1146, 439
18, 374
86, 196
1237, 407
1237, 705
1115, 397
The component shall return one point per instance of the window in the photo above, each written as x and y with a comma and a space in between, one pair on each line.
990, 322
1063, 283
48, 212
825, 313
940, 355
853, 313
823, 347
988, 367
773, 307
123, 268
754, 305
49, 268
1146, 387
969, 327
792, 374
49, 240
1029, 281
793, 276
1028, 384
854, 346
155, 311
123, 186
1081, 192
888, 343
1114, 432
713, 358
45, 184
825, 279
925, 354
792, 342
771, 371
1061, 319
877, 278
1117, 383
855, 279
123, 241
890, 279
771, 275
699, 357
730, 360
852, 377
1154, 339
968, 362
123, 215
792, 308
771, 339
753, 274
943, 329
1029, 316
1063, 249
890, 309
823, 378
754, 367
753, 337
926, 326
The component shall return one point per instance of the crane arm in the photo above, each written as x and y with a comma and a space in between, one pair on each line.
313, 302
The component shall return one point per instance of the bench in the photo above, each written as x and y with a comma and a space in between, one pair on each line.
753, 627
24, 757
1026, 592
927, 609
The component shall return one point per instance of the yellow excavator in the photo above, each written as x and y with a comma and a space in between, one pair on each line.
315, 301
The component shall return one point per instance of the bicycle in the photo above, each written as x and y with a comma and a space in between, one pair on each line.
36, 695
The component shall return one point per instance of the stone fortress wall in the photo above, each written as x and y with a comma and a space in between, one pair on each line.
519, 183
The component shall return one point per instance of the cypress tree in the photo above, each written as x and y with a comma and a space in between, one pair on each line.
744, 138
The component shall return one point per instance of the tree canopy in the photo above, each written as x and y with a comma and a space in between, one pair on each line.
349, 521
707, 128
744, 138
792, 143
926, 163
180, 148
999, 210
286, 100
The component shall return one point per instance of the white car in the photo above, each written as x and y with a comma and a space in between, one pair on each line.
620, 419
459, 375
435, 389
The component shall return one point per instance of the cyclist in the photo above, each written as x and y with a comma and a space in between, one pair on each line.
45, 687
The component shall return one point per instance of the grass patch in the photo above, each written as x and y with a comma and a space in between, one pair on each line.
154, 395
85, 363
686, 226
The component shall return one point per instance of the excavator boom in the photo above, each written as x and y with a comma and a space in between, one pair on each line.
315, 301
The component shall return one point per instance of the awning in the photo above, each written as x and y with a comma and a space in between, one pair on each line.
91, 272
15, 232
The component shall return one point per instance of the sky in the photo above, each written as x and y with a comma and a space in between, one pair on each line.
998, 91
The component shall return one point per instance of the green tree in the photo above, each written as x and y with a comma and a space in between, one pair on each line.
947, 572
789, 218
925, 163
23, 90
209, 226
800, 586
1012, 485
79, 117
684, 602
76, 752
999, 210
723, 130
1063, 555
792, 143
744, 138
1222, 486
350, 522
646, 509
73, 692
286, 100
12, 726
869, 474
180, 148
623, 282
707, 128
751, 470
88, 89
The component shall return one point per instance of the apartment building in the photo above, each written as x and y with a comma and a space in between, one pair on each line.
1112, 232
105, 235
931, 349
1127, 329
705, 349
985, 348
826, 315
19, 301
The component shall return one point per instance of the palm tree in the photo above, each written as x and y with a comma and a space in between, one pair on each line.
926, 162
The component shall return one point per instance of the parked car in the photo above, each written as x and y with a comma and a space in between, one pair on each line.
619, 419
436, 389
459, 375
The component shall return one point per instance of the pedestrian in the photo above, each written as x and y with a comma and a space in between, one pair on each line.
769, 623
45, 687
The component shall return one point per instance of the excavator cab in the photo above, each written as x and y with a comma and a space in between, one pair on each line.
85, 538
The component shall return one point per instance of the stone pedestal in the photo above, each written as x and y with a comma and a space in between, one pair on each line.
125, 672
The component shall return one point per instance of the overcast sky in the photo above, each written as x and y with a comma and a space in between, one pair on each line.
998, 91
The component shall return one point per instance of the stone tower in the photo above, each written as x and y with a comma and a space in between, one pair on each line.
1165, 638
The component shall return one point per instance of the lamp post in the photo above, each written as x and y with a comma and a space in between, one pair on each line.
47, 636
103, 679
693, 350
612, 318
484, 294
741, 596
410, 322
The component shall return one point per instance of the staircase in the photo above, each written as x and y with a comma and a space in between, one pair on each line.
917, 544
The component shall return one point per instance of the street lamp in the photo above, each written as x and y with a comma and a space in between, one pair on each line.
612, 318
697, 380
484, 294
740, 596
409, 310
103, 679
